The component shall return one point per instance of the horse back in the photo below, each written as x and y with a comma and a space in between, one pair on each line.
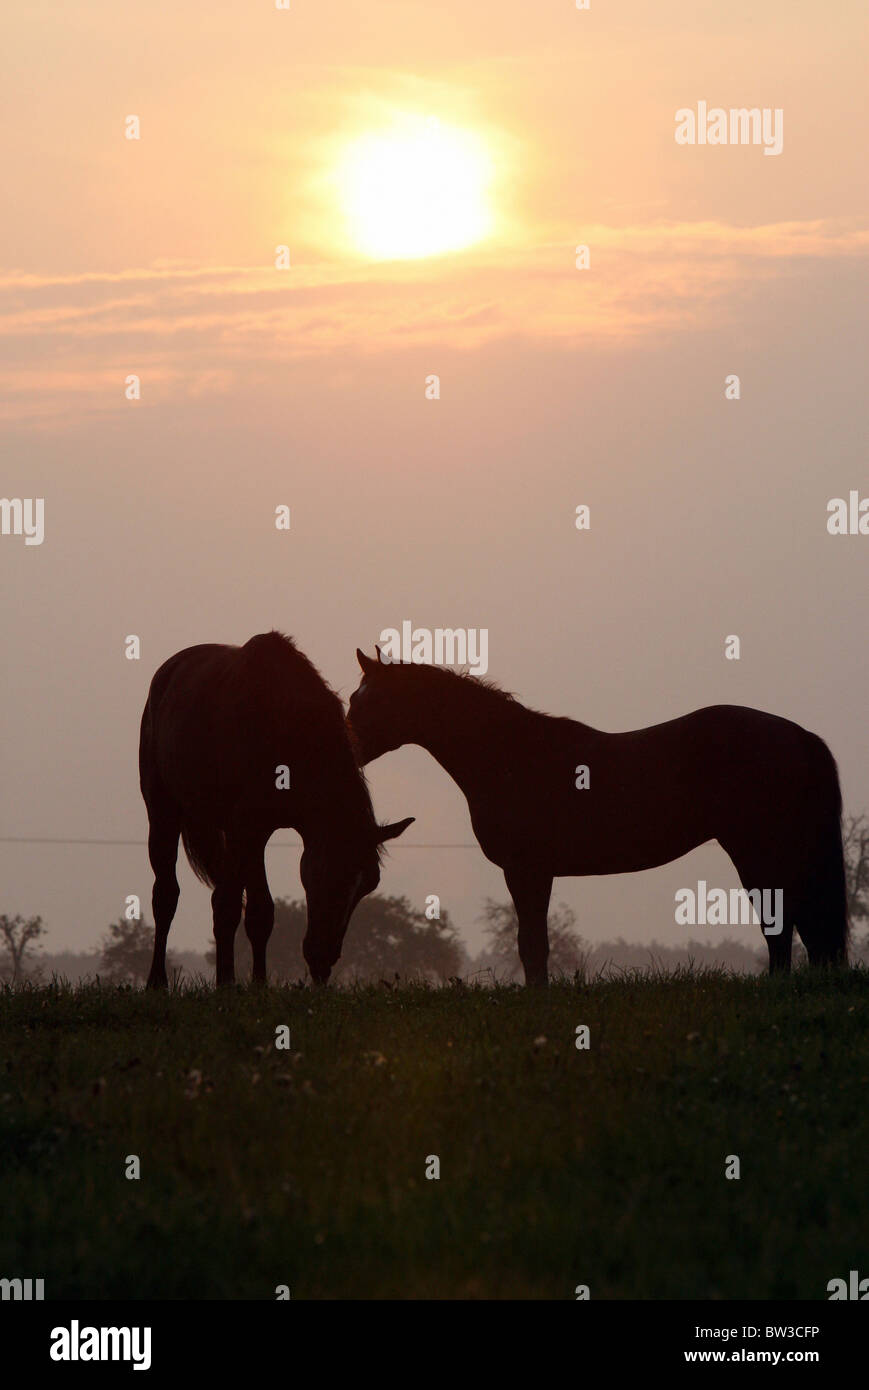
589, 801
219, 720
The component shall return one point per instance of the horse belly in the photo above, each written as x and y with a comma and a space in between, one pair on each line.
641, 833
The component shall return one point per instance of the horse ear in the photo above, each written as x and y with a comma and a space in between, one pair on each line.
392, 832
367, 663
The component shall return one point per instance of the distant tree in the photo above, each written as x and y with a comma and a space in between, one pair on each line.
74, 966
387, 936
567, 950
17, 937
858, 951
126, 950
855, 840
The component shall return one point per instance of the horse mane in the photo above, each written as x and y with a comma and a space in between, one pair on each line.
274, 655
275, 674
468, 693
465, 685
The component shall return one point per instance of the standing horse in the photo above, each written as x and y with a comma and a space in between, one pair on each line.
235, 742
765, 788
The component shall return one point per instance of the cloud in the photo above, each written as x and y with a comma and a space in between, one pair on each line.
67, 342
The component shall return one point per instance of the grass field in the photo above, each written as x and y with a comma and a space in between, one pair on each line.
558, 1166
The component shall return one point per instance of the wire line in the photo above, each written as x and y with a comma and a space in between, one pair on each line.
142, 844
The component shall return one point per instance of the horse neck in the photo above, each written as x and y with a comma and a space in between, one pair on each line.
342, 810
466, 735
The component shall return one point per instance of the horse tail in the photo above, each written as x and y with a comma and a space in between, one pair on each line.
826, 909
205, 847
832, 910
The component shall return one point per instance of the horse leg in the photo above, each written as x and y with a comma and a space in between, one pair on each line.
780, 948
822, 910
226, 909
754, 872
259, 911
822, 925
164, 829
530, 890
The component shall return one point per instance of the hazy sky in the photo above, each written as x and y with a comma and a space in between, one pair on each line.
306, 386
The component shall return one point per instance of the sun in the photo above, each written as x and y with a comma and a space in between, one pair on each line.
417, 189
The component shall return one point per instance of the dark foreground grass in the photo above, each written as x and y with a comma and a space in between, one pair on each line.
558, 1167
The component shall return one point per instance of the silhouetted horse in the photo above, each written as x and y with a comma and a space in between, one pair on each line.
224, 730
766, 789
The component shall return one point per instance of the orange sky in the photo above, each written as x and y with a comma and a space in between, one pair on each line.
245, 112
305, 386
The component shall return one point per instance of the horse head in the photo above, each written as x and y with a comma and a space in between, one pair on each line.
376, 717
338, 870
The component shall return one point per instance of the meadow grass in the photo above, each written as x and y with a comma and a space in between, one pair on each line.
263, 1167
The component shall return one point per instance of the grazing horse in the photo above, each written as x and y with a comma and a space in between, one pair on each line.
765, 788
235, 742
